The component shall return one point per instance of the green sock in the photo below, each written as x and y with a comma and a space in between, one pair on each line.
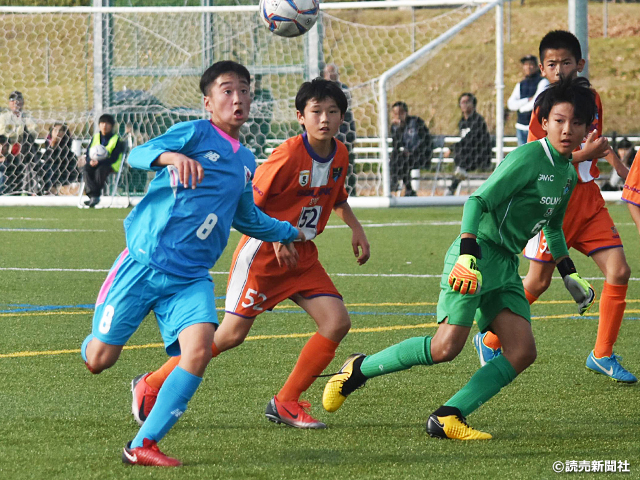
483, 385
401, 356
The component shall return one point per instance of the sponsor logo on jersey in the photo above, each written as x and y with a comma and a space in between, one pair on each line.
304, 178
213, 156
247, 175
337, 171
567, 187
545, 178
549, 212
258, 191
550, 200
314, 192
313, 201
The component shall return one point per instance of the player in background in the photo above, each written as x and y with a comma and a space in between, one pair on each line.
301, 182
631, 191
174, 236
527, 192
588, 227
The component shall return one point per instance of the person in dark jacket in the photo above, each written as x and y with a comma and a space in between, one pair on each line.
474, 150
411, 147
58, 162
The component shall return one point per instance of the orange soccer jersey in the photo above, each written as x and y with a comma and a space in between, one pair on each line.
297, 185
631, 191
587, 225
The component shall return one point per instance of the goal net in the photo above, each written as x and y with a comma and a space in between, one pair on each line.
143, 64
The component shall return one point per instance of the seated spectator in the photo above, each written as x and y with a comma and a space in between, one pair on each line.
5, 158
474, 150
21, 132
411, 147
58, 162
626, 152
96, 171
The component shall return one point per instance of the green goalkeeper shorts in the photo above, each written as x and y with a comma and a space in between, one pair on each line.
501, 288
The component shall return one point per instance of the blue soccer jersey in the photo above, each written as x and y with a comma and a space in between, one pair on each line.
183, 231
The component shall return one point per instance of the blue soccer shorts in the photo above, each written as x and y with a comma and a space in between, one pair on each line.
133, 289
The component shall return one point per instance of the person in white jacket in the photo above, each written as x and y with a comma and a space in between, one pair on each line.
524, 95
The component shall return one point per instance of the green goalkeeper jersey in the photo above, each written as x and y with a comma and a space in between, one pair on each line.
527, 192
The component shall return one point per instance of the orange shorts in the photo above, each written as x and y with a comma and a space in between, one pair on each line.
257, 283
587, 226
631, 191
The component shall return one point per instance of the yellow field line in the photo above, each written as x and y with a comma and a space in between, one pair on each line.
265, 337
382, 304
249, 338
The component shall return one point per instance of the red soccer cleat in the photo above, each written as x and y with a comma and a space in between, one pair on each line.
144, 398
148, 455
294, 414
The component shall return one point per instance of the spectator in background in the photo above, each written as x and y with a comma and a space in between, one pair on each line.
347, 132
5, 159
58, 162
626, 152
411, 146
96, 171
474, 150
524, 95
20, 130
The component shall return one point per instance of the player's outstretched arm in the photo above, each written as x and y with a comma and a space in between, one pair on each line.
581, 291
593, 148
252, 221
613, 159
359, 242
190, 172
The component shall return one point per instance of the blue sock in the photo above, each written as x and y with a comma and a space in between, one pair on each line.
83, 348
172, 401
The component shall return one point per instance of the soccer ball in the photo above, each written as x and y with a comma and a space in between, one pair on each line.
289, 18
98, 152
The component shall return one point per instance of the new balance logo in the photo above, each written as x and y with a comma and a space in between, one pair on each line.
177, 413
213, 156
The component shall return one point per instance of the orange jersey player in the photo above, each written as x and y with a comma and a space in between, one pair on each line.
587, 226
302, 181
631, 191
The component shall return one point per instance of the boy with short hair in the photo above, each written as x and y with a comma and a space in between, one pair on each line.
96, 171
588, 227
174, 236
480, 278
302, 181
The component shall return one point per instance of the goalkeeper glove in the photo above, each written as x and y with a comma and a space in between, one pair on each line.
465, 276
580, 290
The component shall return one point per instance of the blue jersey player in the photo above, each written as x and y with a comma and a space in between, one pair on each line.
174, 236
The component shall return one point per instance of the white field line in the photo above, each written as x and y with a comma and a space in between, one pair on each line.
363, 275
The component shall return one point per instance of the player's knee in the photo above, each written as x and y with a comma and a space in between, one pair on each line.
198, 356
101, 357
621, 275
444, 352
230, 340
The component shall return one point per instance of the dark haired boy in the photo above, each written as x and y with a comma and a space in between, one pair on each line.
588, 227
536, 178
301, 182
97, 170
174, 236
411, 149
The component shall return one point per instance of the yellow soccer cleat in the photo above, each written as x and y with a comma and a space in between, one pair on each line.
343, 383
455, 427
